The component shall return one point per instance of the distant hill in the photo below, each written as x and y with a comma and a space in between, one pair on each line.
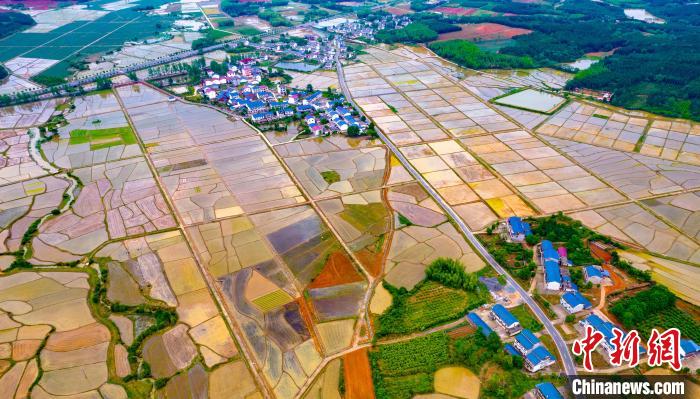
11, 22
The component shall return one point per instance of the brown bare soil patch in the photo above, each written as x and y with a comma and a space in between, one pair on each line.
484, 31
307, 316
456, 10
372, 261
618, 282
337, 270
400, 10
358, 376
460, 332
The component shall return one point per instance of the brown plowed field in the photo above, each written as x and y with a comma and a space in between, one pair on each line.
456, 10
337, 270
484, 31
358, 376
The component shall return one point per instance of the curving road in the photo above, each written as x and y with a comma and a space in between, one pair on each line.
564, 354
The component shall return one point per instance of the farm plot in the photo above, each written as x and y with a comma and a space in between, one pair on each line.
97, 32
484, 32
320, 145
16, 164
679, 277
363, 221
459, 382
681, 210
341, 172
546, 178
118, 199
422, 234
263, 262
274, 325
51, 337
26, 115
92, 139
320, 80
532, 100
599, 126
637, 176
162, 266
358, 375
326, 384
632, 223
404, 369
447, 167
427, 305
212, 167
24, 202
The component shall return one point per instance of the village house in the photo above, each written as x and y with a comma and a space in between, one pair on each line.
595, 274
535, 355
550, 260
574, 302
605, 328
518, 229
547, 390
506, 319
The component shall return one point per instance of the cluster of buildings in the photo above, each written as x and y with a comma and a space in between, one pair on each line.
339, 119
366, 28
526, 345
313, 48
241, 90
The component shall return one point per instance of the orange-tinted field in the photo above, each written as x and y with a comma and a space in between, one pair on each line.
400, 10
358, 376
337, 270
484, 31
455, 10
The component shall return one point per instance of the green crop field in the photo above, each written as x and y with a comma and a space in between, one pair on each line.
272, 300
102, 138
669, 318
526, 318
428, 305
82, 38
404, 369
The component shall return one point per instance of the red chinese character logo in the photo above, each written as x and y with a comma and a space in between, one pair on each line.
626, 349
586, 345
665, 348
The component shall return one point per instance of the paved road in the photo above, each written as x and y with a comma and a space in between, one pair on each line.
564, 354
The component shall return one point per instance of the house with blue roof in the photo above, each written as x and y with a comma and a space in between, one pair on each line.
568, 284
510, 349
526, 341
574, 302
479, 323
538, 359
535, 355
547, 390
262, 116
552, 275
255, 106
518, 229
595, 274
689, 348
605, 328
506, 319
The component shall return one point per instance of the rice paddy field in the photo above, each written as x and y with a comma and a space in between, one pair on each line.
493, 160
532, 100
68, 32
628, 131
